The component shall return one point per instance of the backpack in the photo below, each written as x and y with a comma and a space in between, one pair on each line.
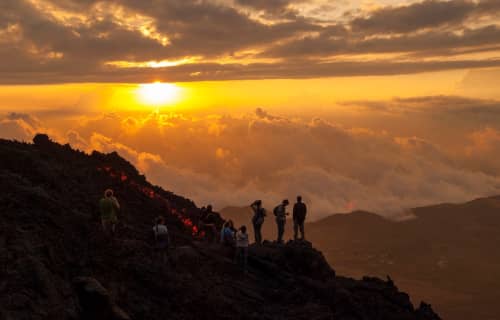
276, 210
161, 237
228, 236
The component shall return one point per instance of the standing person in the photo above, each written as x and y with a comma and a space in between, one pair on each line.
280, 213
299, 217
210, 223
242, 248
259, 214
162, 240
109, 207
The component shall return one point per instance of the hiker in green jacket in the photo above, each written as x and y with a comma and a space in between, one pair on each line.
109, 207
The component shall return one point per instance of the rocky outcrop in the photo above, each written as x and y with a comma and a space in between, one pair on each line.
55, 263
95, 301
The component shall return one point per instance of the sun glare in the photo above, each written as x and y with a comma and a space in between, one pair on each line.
158, 93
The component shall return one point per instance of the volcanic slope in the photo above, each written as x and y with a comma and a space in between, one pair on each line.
55, 263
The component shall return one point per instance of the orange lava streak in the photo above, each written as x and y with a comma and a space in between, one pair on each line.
150, 193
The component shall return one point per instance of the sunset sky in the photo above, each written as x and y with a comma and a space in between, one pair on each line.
377, 105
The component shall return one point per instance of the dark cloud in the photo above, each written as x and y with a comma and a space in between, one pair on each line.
266, 5
458, 106
214, 71
421, 44
425, 14
42, 45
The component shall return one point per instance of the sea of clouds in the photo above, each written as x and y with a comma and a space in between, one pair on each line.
234, 159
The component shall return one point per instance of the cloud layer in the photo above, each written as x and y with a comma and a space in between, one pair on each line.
47, 41
235, 159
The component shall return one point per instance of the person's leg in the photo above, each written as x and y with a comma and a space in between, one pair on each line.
245, 259
240, 257
278, 226
103, 224
302, 230
214, 234
164, 256
281, 230
295, 230
260, 233
236, 255
255, 232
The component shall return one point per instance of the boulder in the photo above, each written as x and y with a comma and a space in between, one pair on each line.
96, 302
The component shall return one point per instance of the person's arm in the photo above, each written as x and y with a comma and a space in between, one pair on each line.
116, 203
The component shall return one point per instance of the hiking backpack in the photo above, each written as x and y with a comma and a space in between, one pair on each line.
276, 210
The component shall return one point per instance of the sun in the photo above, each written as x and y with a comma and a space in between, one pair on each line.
158, 94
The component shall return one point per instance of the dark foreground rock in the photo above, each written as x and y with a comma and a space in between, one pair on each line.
55, 263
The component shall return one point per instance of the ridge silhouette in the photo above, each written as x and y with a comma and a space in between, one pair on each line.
56, 263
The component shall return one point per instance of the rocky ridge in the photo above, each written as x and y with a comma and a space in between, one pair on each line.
55, 263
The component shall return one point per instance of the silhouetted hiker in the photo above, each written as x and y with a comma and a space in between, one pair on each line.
201, 219
280, 213
227, 234
242, 248
162, 240
259, 214
208, 223
299, 216
109, 207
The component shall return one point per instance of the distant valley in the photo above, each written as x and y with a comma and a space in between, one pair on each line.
448, 254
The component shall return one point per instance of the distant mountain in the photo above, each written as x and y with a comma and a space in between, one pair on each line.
56, 263
448, 252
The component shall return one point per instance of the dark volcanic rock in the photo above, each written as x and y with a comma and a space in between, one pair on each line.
95, 301
55, 263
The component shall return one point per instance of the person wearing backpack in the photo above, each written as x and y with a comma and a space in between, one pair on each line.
109, 206
259, 214
280, 213
162, 240
299, 217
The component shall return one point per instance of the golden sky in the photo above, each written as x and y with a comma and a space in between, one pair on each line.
225, 53
380, 103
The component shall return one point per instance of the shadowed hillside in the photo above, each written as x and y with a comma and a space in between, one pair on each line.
447, 253
57, 264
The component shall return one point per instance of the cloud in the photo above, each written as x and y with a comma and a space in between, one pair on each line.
276, 5
483, 150
19, 126
235, 159
56, 41
415, 16
439, 43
